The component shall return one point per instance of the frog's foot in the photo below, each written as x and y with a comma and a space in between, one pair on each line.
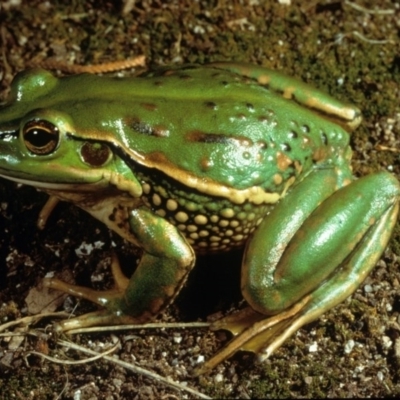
104, 298
254, 332
162, 270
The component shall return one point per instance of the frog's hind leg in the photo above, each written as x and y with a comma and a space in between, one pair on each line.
323, 263
343, 283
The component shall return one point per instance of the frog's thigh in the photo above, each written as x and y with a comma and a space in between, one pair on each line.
347, 232
167, 258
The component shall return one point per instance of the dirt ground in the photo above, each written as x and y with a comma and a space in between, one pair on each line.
349, 49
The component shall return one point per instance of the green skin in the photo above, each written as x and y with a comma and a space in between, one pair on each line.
203, 159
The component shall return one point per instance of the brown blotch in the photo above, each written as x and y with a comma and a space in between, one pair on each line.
160, 131
283, 161
205, 137
146, 129
149, 106
205, 164
208, 137
319, 155
158, 157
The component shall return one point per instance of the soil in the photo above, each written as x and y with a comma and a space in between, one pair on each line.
349, 49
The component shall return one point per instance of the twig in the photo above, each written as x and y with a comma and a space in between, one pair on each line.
367, 10
75, 362
32, 319
155, 325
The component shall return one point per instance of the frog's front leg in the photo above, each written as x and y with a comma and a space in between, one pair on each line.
305, 258
166, 261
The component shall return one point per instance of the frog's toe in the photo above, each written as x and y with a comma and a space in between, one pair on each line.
102, 298
94, 319
256, 333
237, 322
112, 299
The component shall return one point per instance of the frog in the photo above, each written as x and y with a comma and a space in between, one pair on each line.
195, 160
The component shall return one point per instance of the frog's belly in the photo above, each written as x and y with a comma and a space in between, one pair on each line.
210, 224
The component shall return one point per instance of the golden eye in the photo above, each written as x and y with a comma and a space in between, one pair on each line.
40, 137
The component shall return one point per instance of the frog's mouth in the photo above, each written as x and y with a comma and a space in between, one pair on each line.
72, 181
97, 198
57, 186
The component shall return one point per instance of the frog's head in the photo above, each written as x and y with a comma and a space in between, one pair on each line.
42, 145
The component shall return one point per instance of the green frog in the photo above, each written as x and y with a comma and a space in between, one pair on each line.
205, 159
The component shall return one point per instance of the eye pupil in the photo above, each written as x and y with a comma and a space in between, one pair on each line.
41, 137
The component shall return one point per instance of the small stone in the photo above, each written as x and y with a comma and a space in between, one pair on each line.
313, 348
397, 347
349, 346
387, 342
308, 380
368, 289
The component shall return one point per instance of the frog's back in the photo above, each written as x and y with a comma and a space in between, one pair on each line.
228, 128
200, 123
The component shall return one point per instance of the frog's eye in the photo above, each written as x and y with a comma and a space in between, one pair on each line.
40, 137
